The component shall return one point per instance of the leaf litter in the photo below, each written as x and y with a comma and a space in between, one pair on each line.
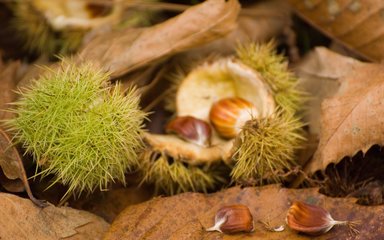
344, 115
186, 216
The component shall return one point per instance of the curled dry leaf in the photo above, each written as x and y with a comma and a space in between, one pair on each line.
12, 177
258, 22
352, 118
8, 83
121, 52
358, 24
186, 216
11, 166
318, 75
13, 169
20, 219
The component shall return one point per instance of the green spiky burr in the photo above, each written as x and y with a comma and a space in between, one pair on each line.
273, 67
267, 146
79, 127
174, 176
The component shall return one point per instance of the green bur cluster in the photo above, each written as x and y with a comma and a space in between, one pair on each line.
79, 128
177, 177
267, 147
273, 67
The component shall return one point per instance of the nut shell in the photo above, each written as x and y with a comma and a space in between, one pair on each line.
233, 219
191, 129
229, 115
309, 219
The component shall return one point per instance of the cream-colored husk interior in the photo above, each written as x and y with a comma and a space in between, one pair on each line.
218, 80
196, 94
221, 79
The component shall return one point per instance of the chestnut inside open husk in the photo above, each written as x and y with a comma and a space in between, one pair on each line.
257, 84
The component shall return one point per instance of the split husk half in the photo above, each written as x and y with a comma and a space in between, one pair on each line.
265, 146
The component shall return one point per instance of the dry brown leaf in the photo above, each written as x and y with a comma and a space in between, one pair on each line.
12, 174
357, 24
11, 166
352, 115
13, 170
8, 83
185, 216
258, 23
21, 219
121, 52
109, 204
318, 75
11, 185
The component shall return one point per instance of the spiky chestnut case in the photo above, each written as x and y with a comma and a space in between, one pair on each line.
273, 67
79, 127
267, 146
172, 176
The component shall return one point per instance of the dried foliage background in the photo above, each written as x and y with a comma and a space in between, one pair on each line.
354, 23
21, 219
350, 110
196, 26
344, 80
179, 217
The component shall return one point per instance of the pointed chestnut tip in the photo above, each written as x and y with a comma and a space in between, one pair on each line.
233, 219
